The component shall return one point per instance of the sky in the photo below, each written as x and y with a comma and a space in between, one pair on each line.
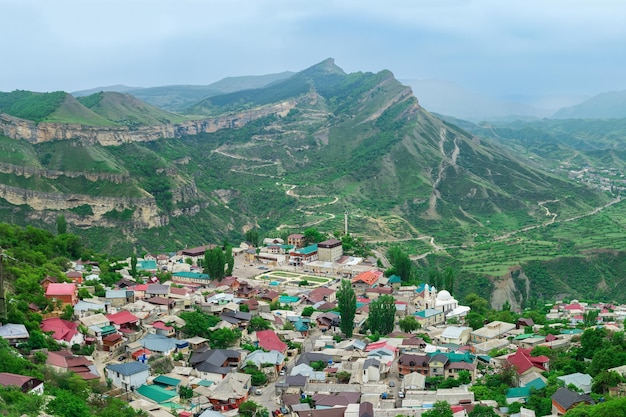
496, 47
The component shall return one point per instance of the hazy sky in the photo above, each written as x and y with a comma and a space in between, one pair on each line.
496, 47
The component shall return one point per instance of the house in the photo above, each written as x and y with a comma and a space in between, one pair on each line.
338, 399
269, 296
191, 278
564, 399
75, 276
213, 364
62, 331
196, 253
327, 320
260, 358
300, 256
64, 293
163, 329
365, 280
26, 384
582, 382
455, 335
157, 290
129, 375
239, 319
296, 240
329, 250
394, 281
159, 395
524, 363
112, 342
47, 281
321, 294
230, 392
493, 330
413, 381
14, 333
412, 344
518, 394
245, 290
124, 321
430, 317
65, 361
159, 343
374, 293
408, 364
268, 340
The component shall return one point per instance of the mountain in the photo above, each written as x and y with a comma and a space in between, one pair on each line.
449, 98
300, 152
117, 88
610, 105
179, 97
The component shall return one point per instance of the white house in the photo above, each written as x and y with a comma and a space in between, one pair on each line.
455, 335
128, 376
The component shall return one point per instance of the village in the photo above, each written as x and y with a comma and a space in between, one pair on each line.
296, 362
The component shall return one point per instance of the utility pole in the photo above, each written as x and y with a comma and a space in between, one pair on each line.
3, 301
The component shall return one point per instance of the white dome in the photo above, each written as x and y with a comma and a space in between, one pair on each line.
443, 295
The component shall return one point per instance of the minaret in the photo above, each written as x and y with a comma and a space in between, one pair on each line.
345, 223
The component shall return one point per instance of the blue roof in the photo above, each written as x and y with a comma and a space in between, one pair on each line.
115, 294
429, 312
128, 368
288, 299
536, 383
518, 392
308, 249
158, 343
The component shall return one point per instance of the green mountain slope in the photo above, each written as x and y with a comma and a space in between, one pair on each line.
357, 143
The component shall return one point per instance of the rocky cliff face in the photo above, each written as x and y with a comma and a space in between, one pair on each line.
28, 172
145, 211
17, 128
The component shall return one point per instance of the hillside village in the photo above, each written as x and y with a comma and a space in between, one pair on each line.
290, 355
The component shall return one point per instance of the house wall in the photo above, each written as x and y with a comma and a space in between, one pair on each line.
127, 381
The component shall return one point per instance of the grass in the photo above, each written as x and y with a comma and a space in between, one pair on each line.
17, 152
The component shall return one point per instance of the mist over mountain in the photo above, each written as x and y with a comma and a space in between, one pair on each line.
609, 105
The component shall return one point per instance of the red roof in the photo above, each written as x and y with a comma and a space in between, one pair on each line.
61, 329
162, 326
112, 337
123, 317
268, 340
140, 287
380, 345
522, 361
7, 379
574, 306
64, 288
368, 277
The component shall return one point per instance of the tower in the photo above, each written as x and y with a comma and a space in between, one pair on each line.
345, 223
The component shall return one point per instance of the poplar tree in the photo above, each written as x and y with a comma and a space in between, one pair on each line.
346, 303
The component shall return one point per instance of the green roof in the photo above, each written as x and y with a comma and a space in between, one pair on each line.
205, 383
308, 249
166, 380
518, 392
156, 393
571, 331
147, 265
193, 275
394, 279
288, 299
536, 383
524, 336
107, 330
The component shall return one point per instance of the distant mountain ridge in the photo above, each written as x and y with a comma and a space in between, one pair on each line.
609, 105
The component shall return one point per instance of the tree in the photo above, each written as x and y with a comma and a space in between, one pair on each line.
61, 225
229, 260
343, 377
223, 338
259, 323
401, 262
185, 392
449, 278
409, 324
198, 323
251, 409
312, 235
382, 315
66, 404
346, 304
214, 263
133, 265
317, 365
605, 380
440, 409
307, 311
68, 312
253, 237
482, 411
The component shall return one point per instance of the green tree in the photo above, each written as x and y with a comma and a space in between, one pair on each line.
605, 380
133, 265
61, 225
214, 263
343, 377
259, 323
382, 315
198, 323
185, 392
346, 305
223, 338
312, 235
440, 409
253, 236
251, 409
482, 411
68, 312
66, 404
449, 278
307, 311
317, 365
229, 260
409, 324
401, 262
